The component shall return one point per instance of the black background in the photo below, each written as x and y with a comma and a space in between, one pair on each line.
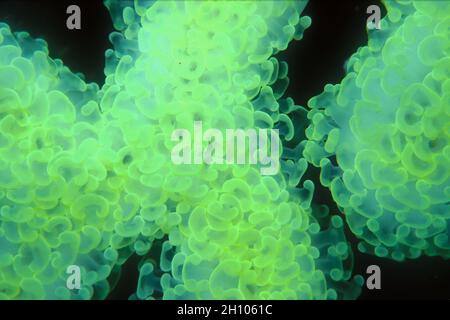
338, 29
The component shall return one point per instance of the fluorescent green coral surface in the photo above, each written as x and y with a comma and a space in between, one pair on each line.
55, 209
86, 175
232, 233
381, 136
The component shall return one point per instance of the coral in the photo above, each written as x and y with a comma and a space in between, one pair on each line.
87, 177
381, 136
54, 206
231, 232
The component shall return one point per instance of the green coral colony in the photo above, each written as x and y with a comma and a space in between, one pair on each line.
86, 176
387, 125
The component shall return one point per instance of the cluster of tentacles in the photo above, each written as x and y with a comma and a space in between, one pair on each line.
86, 176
